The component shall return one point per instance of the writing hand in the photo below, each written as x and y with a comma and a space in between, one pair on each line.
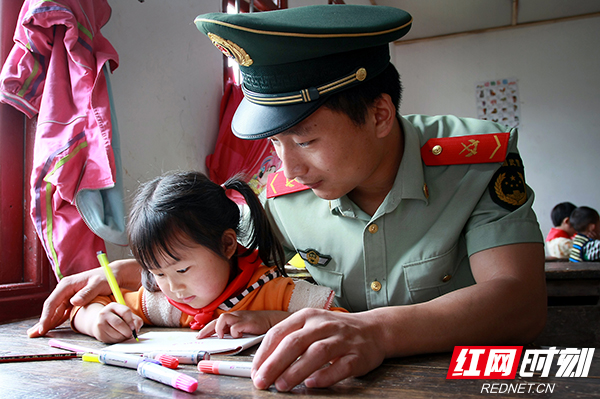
318, 347
114, 322
78, 290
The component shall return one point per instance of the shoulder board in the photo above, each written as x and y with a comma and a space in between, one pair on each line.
472, 149
278, 185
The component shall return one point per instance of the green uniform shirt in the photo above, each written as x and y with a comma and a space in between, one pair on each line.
416, 245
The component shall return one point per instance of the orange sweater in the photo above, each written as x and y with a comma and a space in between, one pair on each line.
281, 293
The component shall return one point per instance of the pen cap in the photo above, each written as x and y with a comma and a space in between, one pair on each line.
167, 376
90, 357
208, 366
168, 361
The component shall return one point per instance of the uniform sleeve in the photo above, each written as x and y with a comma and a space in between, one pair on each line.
493, 225
274, 221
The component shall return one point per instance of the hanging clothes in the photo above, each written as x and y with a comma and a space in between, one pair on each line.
55, 71
256, 159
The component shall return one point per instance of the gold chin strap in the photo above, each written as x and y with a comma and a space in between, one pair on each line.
305, 95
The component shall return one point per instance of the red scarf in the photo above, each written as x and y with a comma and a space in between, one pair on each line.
206, 314
556, 233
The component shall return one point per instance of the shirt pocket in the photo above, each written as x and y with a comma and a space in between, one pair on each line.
430, 278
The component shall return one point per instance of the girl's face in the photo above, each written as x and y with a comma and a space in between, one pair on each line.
200, 275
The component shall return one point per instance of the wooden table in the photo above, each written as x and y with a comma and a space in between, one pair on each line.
413, 377
573, 304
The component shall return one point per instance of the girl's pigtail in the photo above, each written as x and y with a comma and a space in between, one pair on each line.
261, 234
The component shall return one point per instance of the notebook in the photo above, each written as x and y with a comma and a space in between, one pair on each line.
183, 340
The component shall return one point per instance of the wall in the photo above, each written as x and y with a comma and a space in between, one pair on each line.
167, 89
557, 70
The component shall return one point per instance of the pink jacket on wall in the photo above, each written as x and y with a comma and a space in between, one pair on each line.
55, 70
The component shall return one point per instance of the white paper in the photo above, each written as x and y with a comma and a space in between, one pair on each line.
177, 340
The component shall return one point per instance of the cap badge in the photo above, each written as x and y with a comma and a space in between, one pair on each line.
231, 50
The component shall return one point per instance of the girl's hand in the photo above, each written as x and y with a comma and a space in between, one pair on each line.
243, 321
114, 323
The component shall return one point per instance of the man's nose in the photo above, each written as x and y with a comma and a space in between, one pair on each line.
292, 164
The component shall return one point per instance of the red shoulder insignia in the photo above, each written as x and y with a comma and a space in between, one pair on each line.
479, 148
278, 185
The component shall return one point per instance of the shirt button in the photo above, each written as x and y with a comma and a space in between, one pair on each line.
375, 286
436, 150
446, 278
373, 228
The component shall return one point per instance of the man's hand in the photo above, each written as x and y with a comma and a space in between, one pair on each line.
506, 306
78, 290
243, 321
318, 347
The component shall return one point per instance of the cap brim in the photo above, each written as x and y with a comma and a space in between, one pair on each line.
253, 121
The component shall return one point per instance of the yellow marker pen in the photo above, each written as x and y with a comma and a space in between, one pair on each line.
112, 281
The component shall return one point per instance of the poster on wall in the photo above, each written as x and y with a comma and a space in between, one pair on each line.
498, 101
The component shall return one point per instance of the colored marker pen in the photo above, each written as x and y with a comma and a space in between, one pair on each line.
184, 357
55, 343
123, 359
112, 282
167, 376
236, 369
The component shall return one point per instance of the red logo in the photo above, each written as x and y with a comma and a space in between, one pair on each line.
484, 362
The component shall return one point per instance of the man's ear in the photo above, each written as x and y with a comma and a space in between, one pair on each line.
384, 114
229, 243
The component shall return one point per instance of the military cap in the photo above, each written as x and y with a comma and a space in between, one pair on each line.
292, 60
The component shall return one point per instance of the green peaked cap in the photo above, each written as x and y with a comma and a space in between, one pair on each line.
292, 60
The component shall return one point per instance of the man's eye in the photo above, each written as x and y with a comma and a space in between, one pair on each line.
304, 144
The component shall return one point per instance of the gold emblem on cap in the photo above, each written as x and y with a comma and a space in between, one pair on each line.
361, 74
231, 50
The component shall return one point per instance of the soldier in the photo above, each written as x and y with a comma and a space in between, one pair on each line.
423, 226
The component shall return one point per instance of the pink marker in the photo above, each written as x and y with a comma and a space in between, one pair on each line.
55, 343
236, 369
167, 376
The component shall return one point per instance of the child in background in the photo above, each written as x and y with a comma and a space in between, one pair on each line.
183, 231
586, 246
559, 239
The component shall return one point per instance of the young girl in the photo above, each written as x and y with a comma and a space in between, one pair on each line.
183, 231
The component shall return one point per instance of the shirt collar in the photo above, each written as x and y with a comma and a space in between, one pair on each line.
409, 182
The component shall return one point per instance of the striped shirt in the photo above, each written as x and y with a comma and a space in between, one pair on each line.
584, 249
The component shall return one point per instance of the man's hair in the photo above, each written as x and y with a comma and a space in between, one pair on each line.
355, 102
560, 212
582, 217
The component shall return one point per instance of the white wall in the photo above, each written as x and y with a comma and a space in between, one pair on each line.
558, 70
167, 89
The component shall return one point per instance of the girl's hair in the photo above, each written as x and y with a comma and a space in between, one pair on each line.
186, 208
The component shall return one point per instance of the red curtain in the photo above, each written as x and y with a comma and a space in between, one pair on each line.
256, 159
